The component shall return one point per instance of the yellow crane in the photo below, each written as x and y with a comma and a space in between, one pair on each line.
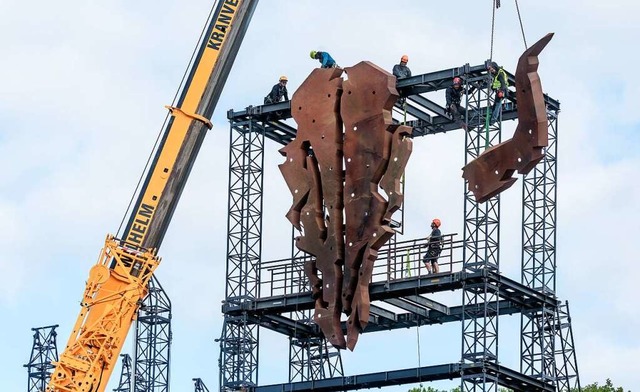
117, 283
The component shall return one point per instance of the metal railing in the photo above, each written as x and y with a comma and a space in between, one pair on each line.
396, 261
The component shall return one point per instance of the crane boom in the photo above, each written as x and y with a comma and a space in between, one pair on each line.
117, 283
186, 130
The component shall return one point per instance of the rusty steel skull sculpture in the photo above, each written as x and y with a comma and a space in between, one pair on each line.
346, 153
491, 173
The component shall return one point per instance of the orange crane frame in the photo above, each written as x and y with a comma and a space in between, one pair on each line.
117, 283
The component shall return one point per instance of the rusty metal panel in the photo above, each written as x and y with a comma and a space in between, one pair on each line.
491, 173
367, 101
336, 180
313, 172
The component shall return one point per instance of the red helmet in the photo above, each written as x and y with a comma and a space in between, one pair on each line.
457, 81
436, 222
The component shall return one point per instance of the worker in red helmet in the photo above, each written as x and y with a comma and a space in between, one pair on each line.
453, 95
401, 70
278, 92
434, 247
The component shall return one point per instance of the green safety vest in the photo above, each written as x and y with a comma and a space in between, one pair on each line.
496, 80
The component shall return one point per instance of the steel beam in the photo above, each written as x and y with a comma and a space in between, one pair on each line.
506, 377
378, 323
430, 119
387, 315
403, 304
429, 303
508, 289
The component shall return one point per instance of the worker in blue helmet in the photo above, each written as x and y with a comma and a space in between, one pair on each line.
326, 61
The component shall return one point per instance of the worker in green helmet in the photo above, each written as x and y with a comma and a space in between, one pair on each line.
326, 61
500, 86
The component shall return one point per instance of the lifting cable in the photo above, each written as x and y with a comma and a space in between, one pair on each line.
494, 5
173, 103
521, 26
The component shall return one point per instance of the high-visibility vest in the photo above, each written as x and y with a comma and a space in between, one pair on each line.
496, 80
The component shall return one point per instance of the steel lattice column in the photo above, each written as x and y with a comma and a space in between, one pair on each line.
310, 357
43, 352
539, 260
153, 341
567, 376
125, 375
199, 385
480, 253
239, 340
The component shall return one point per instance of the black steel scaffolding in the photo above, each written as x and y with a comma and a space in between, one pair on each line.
153, 341
481, 251
199, 385
240, 333
124, 385
539, 261
567, 376
274, 294
43, 352
546, 336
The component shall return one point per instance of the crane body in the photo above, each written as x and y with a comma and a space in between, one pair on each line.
117, 283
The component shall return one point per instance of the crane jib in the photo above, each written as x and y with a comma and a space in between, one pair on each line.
118, 282
222, 23
161, 190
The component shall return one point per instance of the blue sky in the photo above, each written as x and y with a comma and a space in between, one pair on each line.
82, 90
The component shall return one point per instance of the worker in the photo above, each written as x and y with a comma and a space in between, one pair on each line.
278, 92
325, 59
500, 86
454, 96
434, 247
401, 70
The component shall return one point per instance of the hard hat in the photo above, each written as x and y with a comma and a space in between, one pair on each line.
457, 81
436, 222
283, 78
313, 54
404, 58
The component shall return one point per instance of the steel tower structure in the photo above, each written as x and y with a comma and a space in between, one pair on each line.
481, 251
124, 385
274, 294
240, 332
567, 376
153, 341
539, 261
43, 352
199, 385
546, 337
